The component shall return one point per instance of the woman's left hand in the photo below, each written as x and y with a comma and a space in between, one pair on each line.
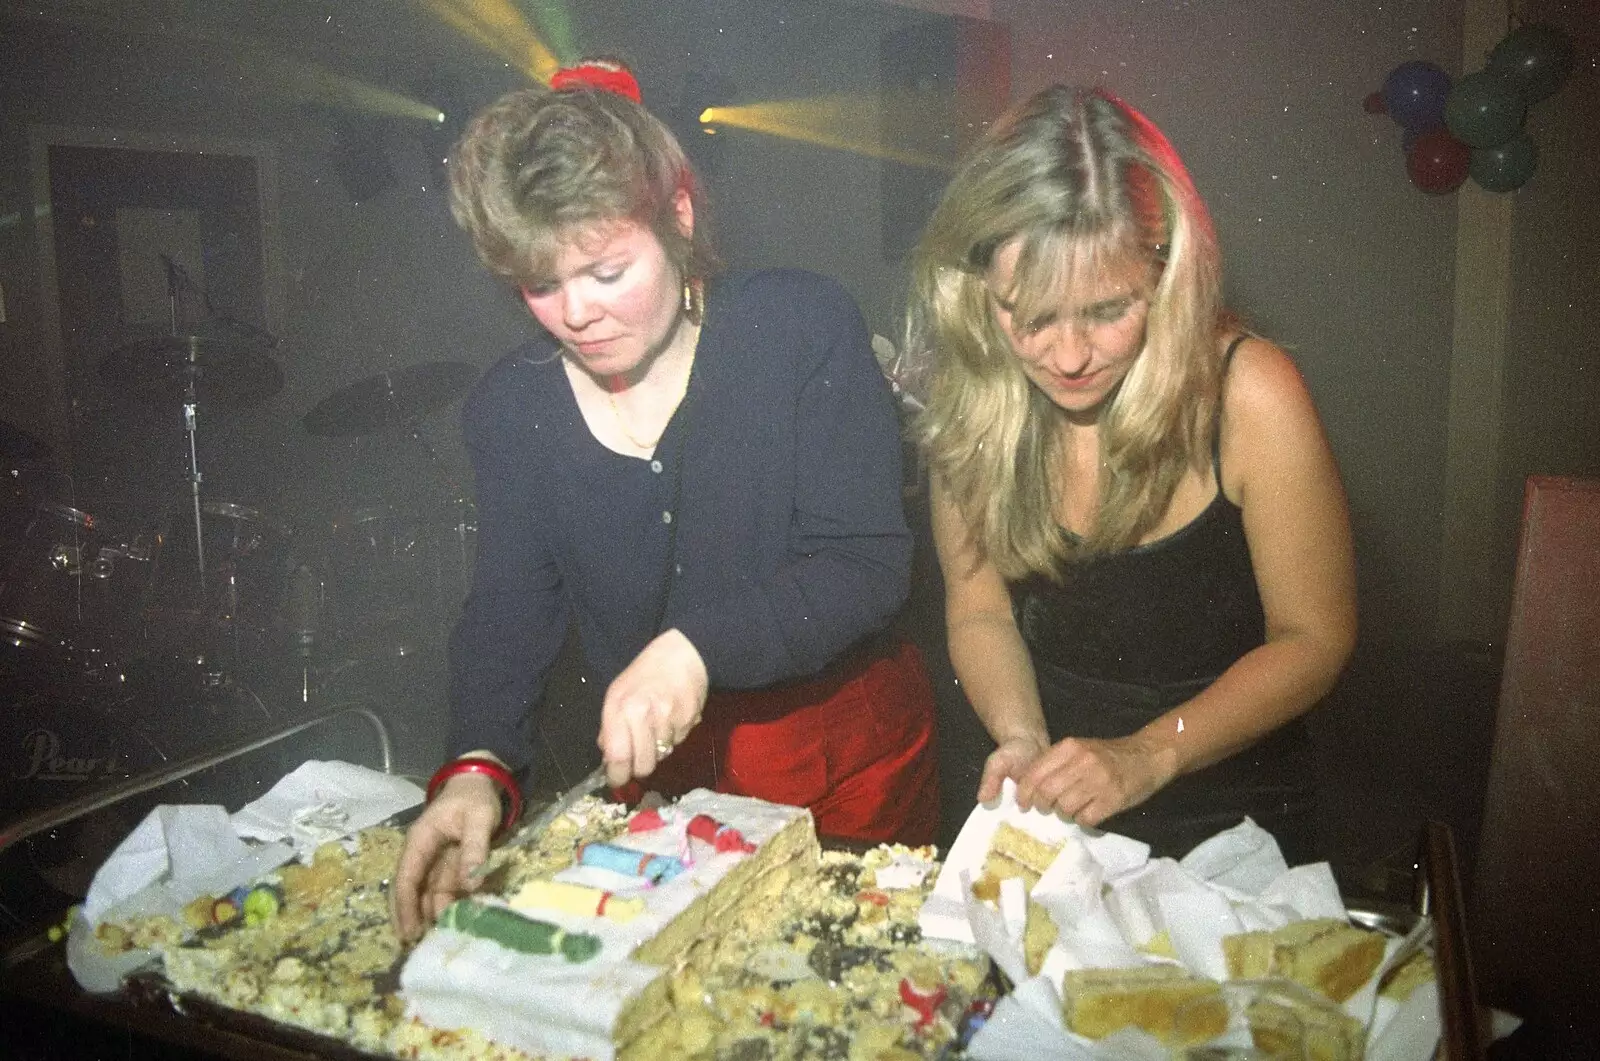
651, 706
1088, 780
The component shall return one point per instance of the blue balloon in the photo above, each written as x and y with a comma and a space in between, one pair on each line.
1504, 167
1414, 94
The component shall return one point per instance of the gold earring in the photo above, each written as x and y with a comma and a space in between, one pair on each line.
694, 300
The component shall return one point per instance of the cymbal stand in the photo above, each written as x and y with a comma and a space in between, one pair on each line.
191, 374
190, 404
457, 501
177, 278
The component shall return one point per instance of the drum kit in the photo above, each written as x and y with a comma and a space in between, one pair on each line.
222, 586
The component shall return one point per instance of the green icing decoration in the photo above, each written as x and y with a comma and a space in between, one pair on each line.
515, 932
261, 904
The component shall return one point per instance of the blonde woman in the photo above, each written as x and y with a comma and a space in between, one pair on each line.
1145, 543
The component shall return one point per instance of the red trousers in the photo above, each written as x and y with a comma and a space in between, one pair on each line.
855, 744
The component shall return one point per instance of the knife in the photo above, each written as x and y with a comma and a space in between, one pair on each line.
530, 832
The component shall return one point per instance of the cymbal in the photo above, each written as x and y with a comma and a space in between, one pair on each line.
390, 399
17, 444
226, 371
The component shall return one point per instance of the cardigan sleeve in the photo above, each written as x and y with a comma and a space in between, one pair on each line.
845, 550
514, 620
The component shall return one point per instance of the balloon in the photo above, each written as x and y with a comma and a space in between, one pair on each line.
1437, 162
1504, 167
1484, 109
1414, 94
1536, 58
1374, 104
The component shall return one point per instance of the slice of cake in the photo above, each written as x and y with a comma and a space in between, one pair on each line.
1167, 1001
1304, 1025
1399, 982
1013, 852
583, 964
1038, 936
1325, 954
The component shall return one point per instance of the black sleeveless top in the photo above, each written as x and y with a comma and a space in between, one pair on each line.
1176, 610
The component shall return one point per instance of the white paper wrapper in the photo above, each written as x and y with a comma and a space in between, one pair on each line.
1112, 904
325, 800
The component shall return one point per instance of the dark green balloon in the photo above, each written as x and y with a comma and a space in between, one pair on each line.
1504, 167
1536, 58
1484, 109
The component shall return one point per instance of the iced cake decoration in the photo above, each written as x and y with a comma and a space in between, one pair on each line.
511, 930
657, 869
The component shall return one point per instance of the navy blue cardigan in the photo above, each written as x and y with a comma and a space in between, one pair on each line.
774, 497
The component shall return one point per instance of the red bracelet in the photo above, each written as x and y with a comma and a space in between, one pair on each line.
494, 772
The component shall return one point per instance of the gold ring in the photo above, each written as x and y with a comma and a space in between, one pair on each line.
663, 748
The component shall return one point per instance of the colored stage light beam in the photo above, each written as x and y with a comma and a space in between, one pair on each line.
856, 124
307, 82
499, 28
256, 66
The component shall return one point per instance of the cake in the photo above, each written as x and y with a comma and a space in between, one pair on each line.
1332, 957
1299, 1023
1013, 853
1400, 981
1167, 1001
686, 875
778, 952
312, 947
1039, 934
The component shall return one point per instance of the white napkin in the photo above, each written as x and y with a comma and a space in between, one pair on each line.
321, 801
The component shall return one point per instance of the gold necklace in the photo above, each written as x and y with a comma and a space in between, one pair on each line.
622, 421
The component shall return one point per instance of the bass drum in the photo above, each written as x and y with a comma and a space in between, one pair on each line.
233, 610
394, 580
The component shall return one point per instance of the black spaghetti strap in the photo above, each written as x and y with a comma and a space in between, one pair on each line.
1216, 417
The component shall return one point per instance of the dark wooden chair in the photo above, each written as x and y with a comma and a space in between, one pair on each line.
1534, 899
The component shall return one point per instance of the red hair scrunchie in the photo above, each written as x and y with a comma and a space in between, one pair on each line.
603, 76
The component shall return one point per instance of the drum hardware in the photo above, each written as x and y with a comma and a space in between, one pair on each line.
188, 367
389, 400
392, 567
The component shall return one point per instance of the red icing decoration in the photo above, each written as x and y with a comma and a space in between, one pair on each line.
926, 1003
646, 821
595, 75
721, 837
873, 896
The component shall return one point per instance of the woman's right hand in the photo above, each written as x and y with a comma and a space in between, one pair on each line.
442, 848
1011, 759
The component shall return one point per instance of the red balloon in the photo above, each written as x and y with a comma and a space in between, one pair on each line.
1374, 103
1437, 162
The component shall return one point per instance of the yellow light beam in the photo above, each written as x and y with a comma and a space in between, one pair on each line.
499, 28
254, 66
919, 125
309, 83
